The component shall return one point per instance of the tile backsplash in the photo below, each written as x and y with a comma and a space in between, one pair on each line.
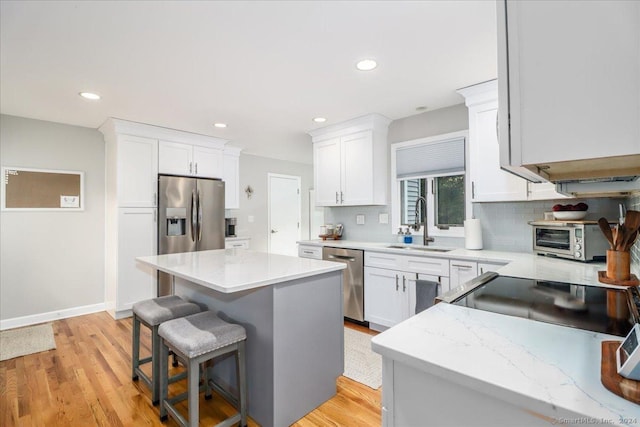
505, 224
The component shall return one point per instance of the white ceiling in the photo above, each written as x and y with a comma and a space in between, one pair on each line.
264, 68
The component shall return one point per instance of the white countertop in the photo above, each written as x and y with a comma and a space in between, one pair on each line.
518, 360
514, 359
235, 270
518, 264
234, 238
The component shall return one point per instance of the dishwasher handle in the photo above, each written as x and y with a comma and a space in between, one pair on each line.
341, 257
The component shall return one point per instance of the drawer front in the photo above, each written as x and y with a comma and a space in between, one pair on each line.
383, 260
236, 244
425, 265
314, 252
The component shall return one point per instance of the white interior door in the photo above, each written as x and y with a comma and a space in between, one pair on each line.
284, 214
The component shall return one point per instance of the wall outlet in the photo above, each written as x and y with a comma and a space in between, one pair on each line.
383, 218
360, 219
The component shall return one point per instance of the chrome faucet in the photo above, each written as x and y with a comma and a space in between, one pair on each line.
416, 226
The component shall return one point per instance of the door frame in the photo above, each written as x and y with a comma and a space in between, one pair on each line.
269, 228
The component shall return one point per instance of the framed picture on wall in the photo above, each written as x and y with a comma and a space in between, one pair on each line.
29, 189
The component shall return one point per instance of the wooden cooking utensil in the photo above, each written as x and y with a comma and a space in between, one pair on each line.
606, 230
620, 236
632, 220
630, 240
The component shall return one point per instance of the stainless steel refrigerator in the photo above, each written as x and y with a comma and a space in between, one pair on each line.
190, 218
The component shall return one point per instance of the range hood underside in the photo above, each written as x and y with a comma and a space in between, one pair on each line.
618, 168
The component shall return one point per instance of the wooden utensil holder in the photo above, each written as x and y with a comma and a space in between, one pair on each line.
618, 265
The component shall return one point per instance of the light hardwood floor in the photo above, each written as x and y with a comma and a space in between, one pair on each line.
86, 381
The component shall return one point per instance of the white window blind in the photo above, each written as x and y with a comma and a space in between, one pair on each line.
435, 158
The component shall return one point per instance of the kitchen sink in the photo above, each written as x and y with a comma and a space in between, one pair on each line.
418, 248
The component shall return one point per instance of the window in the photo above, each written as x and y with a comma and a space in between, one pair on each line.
448, 199
433, 168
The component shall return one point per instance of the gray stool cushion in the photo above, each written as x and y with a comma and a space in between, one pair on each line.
157, 310
200, 333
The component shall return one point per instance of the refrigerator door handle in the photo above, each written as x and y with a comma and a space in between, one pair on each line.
199, 217
194, 216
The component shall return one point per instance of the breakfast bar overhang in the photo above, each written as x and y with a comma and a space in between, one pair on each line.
292, 311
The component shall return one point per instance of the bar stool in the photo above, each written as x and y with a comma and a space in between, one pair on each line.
152, 313
197, 339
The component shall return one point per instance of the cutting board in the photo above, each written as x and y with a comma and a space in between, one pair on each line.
611, 380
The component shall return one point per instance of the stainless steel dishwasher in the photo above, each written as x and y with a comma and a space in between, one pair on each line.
352, 280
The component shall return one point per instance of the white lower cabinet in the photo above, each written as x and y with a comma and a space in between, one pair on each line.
461, 271
133, 282
309, 251
385, 302
483, 267
390, 293
236, 243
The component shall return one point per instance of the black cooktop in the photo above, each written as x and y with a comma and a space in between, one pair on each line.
592, 308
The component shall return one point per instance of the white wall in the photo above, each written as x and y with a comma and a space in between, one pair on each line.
253, 172
52, 263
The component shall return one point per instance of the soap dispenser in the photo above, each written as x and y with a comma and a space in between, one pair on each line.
400, 235
408, 238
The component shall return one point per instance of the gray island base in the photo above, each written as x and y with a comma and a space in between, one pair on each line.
295, 332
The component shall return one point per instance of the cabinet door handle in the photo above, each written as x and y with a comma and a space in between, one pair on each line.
308, 252
341, 198
155, 199
404, 284
196, 168
190, 167
396, 282
473, 190
336, 197
461, 266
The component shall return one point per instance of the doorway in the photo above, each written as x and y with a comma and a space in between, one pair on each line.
284, 213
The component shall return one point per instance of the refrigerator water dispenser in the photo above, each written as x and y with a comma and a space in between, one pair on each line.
176, 221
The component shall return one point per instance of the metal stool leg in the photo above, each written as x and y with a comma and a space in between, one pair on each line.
135, 350
242, 380
194, 392
155, 365
164, 381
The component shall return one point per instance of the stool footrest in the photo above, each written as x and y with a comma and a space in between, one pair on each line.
233, 400
144, 377
145, 360
178, 377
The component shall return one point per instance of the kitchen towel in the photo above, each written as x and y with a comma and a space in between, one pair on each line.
426, 291
472, 234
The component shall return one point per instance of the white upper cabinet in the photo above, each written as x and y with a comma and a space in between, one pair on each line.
137, 170
231, 177
177, 158
569, 85
350, 162
326, 172
489, 182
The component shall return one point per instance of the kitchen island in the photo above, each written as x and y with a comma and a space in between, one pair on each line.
291, 309
452, 365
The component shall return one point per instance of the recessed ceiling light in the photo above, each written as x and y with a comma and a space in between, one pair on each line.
421, 108
319, 119
89, 95
220, 125
366, 65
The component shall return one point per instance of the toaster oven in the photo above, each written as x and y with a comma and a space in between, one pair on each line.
576, 240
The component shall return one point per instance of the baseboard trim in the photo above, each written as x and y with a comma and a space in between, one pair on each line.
34, 319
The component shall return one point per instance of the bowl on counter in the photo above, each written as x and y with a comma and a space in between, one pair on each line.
569, 215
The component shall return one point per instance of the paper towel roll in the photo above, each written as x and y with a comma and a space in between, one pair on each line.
472, 234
